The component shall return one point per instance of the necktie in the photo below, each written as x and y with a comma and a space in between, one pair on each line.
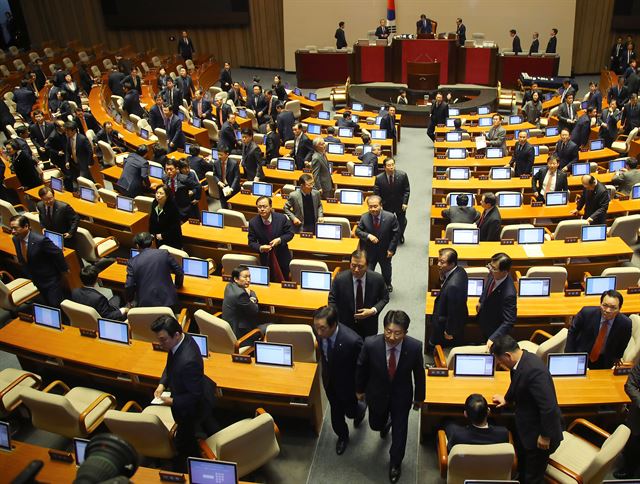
173, 185
482, 218
492, 286
199, 109
329, 348
73, 148
23, 247
376, 222
42, 129
391, 180
359, 295
49, 217
391, 365
547, 186
171, 97
223, 170
599, 344
570, 112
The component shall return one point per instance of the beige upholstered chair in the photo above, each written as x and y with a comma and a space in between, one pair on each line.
140, 320
632, 351
92, 248
80, 315
16, 292
298, 265
220, 336
448, 233
143, 204
109, 157
231, 261
233, 218
162, 137
557, 274
212, 185
299, 335
511, 231
568, 228
7, 211
12, 382
108, 196
75, 413
294, 107
343, 222
445, 357
623, 143
625, 276
90, 184
477, 272
551, 344
250, 443
626, 228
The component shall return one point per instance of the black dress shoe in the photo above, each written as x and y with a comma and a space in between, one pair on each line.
359, 418
385, 431
390, 288
341, 446
394, 473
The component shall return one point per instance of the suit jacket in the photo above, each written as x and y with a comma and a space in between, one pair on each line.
294, 207
515, 45
132, 104
185, 84
631, 116
232, 175
199, 165
568, 155
302, 150
393, 196
387, 234
238, 309
91, 297
186, 48
84, 155
584, 331
111, 139
551, 45
424, 26
581, 131
522, 159
25, 169
491, 226
222, 113
371, 160
45, 263
620, 94
532, 111
609, 132
343, 296
55, 143
206, 108
498, 310
134, 177
632, 81
321, 173
497, 137
252, 161
450, 307
461, 32
135, 81
149, 276
225, 80
439, 115
537, 181
175, 134
632, 388
382, 32
285, 121
272, 146
64, 218
176, 95
470, 434
535, 45
389, 123
236, 97
183, 185
257, 103
564, 116
167, 224
625, 180
341, 40
594, 100
465, 215
227, 136
115, 83
280, 227
38, 138
24, 99
156, 119
595, 203
372, 377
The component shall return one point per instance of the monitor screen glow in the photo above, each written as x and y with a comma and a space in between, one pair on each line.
473, 365
213, 219
196, 122
144, 134
568, 364
482, 110
124, 203
493, 153
79, 449
316, 280
286, 164
195, 267
378, 134
635, 192
531, 236
335, 148
458, 173
556, 198
465, 236
205, 471
594, 233
457, 153
510, 200
534, 286
596, 144
328, 231
259, 275
500, 173
616, 165
260, 189
114, 331
365, 171
312, 96
87, 194
57, 184
55, 237
351, 197
156, 171
454, 112
273, 354
357, 107
324, 115
515, 120
314, 129
5, 436
202, 342
475, 287
579, 169
453, 137
47, 316
345, 132
552, 131
484, 122
595, 286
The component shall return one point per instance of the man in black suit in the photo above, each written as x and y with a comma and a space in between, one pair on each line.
609, 123
184, 185
496, 308
360, 294
627, 57
490, 222
302, 146
192, 397
616, 54
197, 163
603, 332
235, 94
629, 469
618, 92
450, 312
582, 129
226, 80
23, 166
156, 115
476, 411
56, 144
423, 26
42, 261
25, 99
257, 102
515, 44
111, 137
227, 174
341, 40
57, 216
553, 40
186, 49
371, 158
172, 95
567, 115
271, 142
222, 111
567, 151
269, 112
461, 213
173, 126
79, 155
240, 304
115, 81
461, 32
393, 188
185, 84
631, 114
595, 200
201, 107
149, 275
382, 32
89, 296
285, 121
439, 115
131, 103
388, 122
135, 174
378, 231
252, 161
535, 44
227, 133
269, 235
347, 122
523, 155
537, 414
549, 179
339, 347
384, 374
39, 131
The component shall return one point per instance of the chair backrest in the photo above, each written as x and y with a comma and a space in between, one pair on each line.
52, 412
477, 272
568, 228
448, 233
469, 349
212, 129
557, 274
144, 431
85, 245
162, 137
140, 320
185, 111
632, 351
298, 265
5, 70
68, 63
233, 218
231, 261
299, 335
108, 155
625, 276
480, 462
6, 212
511, 231
555, 344
626, 228
212, 185
87, 183
108, 196
48, 51
108, 65
343, 222
294, 107
79, 315
603, 460
220, 336
145, 67
143, 204
177, 254
155, 60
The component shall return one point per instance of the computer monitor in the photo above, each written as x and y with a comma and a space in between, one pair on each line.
548, 96
378, 119
453, 202
357, 107
205, 471
286, 164
493, 153
180, 115
87, 194
5, 436
214, 154
484, 122
517, 132
129, 126
297, 91
212, 219
473, 365
57, 184
635, 192
144, 134
453, 137
534, 286
187, 148
466, 236
553, 199
335, 148
458, 173
500, 173
364, 171
366, 149
202, 342
615, 165
328, 231
593, 233
355, 118
515, 119
238, 136
482, 110
531, 236
552, 131
324, 115
351, 197
509, 200
450, 122
314, 129
259, 275
260, 189
584, 104
55, 237
242, 113
47, 316
133, 253
536, 150
195, 267
275, 354
456, 153
596, 285
79, 449
316, 280
378, 134
596, 144
156, 172
568, 364
197, 122
454, 112
124, 203
579, 169
344, 132
536, 169
114, 331
475, 287
312, 96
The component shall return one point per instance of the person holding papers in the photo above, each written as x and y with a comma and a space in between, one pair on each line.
595, 200
304, 206
227, 174
240, 304
497, 136
57, 216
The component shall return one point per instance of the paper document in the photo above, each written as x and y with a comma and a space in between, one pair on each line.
481, 143
533, 250
158, 401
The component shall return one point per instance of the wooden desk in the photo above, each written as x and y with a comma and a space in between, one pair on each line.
482, 164
551, 103
306, 103
368, 114
320, 69
440, 146
477, 65
357, 141
282, 177
139, 367
511, 66
509, 128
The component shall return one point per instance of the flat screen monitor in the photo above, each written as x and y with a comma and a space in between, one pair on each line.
312, 96
493, 153
509, 200
534, 286
536, 150
378, 134
453, 137
596, 144
366, 149
531, 236
473, 365
55, 237
297, 91
484, 122
584, 104
124, 203
156, 172
364, 171
202, 342
275, 354
594, 233
536, 169
195, 267
205, 471
450, 122
324, 115
378, 119
328, 231
87, 194
517, 132
144, 134
335, 148
458, 173
616, 165
316, 280
314, 129
548, 96
79, 449
57, 184
596, 285
181, 116
286, 164
133, 253
197, 122
515, 120
238, 136
552, 131
456, 153
579, 169
351, 197
242, 113
453, 202
47, 316
475, 287
214, 154
259, 275
635, 192
129, 126
260, 189
213, 219
345, 132
466, 236
553, 199
187, 147
500, 173
568, 364
357, 107
454, 112
482, 110
355, 118
114, 331
5, 436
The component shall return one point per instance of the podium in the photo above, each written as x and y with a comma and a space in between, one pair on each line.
423, 76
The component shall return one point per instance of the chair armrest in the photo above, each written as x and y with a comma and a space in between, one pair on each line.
206, 451
438, 356
518, 275
184, 320
548, 232
5, 273
514, 466
17, 303
276, 430
129, 404
19, 205
540, 332
443, 453
91, 408
566, 471
56, 383
218, 314
213, 264
239, 341
104, 241
588, 425
335, 272
14, 384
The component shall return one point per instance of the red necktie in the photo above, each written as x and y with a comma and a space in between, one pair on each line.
173, 185
599, 344
359, 295
223, 170
376, 222
481, 218
492, 286
391, 365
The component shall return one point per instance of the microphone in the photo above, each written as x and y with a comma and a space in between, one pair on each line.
29, 473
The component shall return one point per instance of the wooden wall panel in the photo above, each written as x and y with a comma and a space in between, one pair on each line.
592, 37
259, 44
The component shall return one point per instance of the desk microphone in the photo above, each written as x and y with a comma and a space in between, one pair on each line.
29, 473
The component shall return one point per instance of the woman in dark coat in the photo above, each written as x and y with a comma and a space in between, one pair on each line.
164, 220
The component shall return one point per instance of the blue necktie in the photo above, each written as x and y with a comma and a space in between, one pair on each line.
329, 348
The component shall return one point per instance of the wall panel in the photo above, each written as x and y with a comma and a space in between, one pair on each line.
593, 39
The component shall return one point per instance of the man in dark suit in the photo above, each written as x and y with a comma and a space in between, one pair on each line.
57, 216
594, 98
393, 188
111, 137
302, 146
439, 115
271, 142
39, 131
631, 114
135, 173
269, 235
535, 44
461, 32
192, 397
347, 122
185, 84
384, 374
523, 155
227, 174
616, 54
240, 304
537, 414
257, 102
582, 130
450, 307
549, 179
461, 213
115, 81
172, 96
609, 123
252, 161
79, 155
476, 411
42, 261
184, 185
382, 32
227, 133
197, 163
490, 222
528, 95
304, 206
235, 94
186, 49
627, 57
603, 332
496, 308
25, 99
56, 145
339, 347
341, 40
567, 151
222, 111
618, 92
629, 469
388, 123
23, 166
149, 275
226, 80
360, 294
625, 178
423, 26
552, 43
131, 103
89, 296
173, 126
156, 115
595, 200
285, 121
567, 115
378, 231
515, 44
371, 158
200, 107
269, 112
